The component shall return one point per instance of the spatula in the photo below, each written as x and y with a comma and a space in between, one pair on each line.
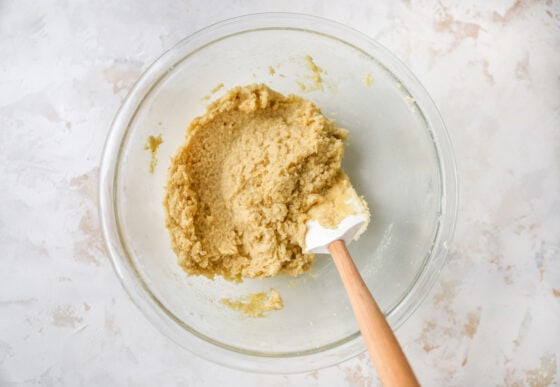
386, 353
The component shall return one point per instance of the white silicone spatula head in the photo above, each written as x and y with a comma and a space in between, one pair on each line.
319, 237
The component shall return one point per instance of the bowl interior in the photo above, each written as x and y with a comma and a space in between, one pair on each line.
390, 157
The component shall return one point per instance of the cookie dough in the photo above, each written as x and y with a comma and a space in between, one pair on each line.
256, 304
152, 145
241, 188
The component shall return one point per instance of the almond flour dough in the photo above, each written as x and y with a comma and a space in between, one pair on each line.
240, 190
256, 304
152, 145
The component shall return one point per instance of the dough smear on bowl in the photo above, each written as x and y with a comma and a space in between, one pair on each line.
240, 190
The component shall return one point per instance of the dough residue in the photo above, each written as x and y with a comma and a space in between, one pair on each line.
409, 99
217, 88
256, 304
315, 76
316, 70
368, 79
152, 145
240, 190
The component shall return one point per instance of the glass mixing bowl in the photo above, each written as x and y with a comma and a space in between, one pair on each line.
398, 157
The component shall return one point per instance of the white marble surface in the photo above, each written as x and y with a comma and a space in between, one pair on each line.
493, 69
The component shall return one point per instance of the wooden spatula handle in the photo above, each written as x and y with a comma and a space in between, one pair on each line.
387, 355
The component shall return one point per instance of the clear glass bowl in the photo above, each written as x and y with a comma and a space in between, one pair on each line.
398, 156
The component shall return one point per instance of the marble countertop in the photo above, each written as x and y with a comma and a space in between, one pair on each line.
493, 69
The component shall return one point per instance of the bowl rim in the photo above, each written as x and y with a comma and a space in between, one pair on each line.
139, 292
